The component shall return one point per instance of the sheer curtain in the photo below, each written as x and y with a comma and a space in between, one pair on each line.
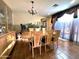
64, 24
75, 27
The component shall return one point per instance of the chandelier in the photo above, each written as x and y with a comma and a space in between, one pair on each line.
32, 10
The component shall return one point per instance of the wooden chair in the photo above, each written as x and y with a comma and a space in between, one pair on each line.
48, 38
55, 36
36, 41
26, 36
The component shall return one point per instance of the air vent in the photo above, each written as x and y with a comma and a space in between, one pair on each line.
55, 5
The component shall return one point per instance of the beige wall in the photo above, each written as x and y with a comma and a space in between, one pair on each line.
23, 18
49, 24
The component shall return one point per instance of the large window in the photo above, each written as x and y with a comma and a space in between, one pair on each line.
64, 24
76, 28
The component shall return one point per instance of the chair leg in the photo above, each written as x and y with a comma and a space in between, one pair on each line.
33, 52
53, 45
30, 47
57, 43
45, 47
40, 50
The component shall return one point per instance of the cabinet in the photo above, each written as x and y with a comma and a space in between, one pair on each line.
7, 42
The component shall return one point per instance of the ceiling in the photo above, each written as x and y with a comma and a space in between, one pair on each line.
43, 7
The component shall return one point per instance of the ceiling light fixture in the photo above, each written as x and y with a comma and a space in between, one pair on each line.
32, 10
73, 1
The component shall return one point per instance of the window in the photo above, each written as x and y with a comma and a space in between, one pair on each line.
64, 24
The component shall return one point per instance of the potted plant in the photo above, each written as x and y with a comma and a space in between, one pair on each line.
31, 27
37, 28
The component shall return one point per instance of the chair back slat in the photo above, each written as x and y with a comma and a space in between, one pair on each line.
49, 37
56, 34
26, 35
37, 38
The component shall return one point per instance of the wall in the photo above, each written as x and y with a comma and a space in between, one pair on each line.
6, 19
49, 24
24, 18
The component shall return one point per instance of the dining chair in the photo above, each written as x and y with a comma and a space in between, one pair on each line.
55, 36
26, 35
36, 41
48, 38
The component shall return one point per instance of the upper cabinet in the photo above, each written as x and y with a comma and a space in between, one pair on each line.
5, 18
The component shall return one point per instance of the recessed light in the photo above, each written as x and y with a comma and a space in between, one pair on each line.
73, 1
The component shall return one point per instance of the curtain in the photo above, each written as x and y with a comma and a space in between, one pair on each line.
75, 29
68, 11
60, 14
64, 25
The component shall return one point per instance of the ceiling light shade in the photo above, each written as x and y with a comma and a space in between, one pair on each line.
32, 10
